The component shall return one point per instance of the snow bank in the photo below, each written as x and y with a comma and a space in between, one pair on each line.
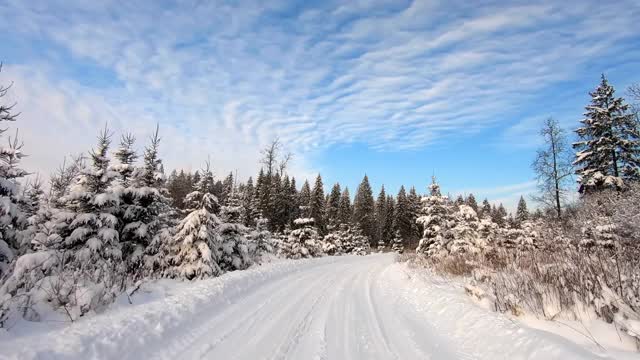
160, 310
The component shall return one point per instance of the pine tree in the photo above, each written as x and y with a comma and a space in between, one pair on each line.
316, 205
415, 204
82, 236
194, 249
304, 199
486, 209
364, 210
388, 231
609, 147
151, 216
398, 245
294, 206
459, 201
435, 219
522, 214
249, 215
381, 218
345, 212
333, 206
471, 201
227, 188
403, 215
234, 248
12, 218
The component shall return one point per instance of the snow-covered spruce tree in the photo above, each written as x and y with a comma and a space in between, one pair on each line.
194, 249
151, 217
388, 225
260, 242
234, 249
415, 205
403, 215
345, 214
77, 263
302, 242
382, 237
609, 146
435, 222
398, 245
11, 218
332, 244
316, 205
249, 215
485, 212
304, 199
360, 244
32, 204
333, 207
471, 201
465, 232
364, 210
522, 214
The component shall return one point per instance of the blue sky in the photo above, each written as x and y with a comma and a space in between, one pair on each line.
397, 89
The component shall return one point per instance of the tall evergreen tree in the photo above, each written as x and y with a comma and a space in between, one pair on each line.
609, 146
403, 216
415, 205
522, 214
486, 210
333, 206
388, 232
471, 201
194, 250
345, 213
381, 218
12, 218
316, 205
304, 199
435, 219
364, 210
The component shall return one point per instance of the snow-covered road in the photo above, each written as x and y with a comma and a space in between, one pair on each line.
331, 308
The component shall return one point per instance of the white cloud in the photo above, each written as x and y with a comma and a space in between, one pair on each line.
226, 78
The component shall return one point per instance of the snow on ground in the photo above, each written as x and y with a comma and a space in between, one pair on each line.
351, 307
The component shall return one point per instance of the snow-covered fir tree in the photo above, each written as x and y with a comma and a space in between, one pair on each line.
194, 249
316, 205
77, 263
465, 232
364, 210
11, 218
260, 242
345, 212
333, 206
435, 220
398, 245
302, 242
234, 249
471, 201
382, 237
608, 151
403, 215
522, 214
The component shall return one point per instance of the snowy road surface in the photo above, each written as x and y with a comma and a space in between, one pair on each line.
329, 308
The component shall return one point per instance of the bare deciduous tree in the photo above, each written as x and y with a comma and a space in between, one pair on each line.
552, 166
